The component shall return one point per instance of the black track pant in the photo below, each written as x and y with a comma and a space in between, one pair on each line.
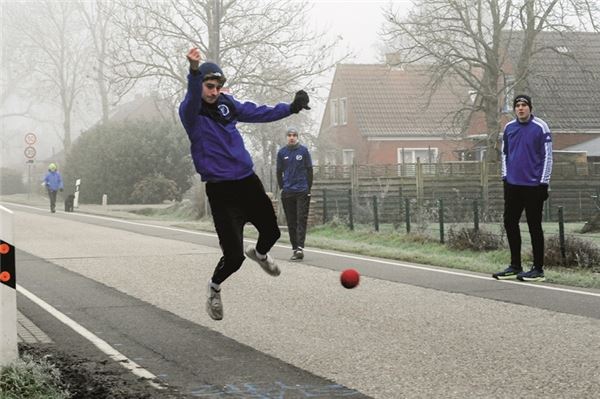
296, 206
233, 204
52, 195
531, 199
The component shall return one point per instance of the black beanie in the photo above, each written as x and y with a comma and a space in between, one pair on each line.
522, 98
210, 70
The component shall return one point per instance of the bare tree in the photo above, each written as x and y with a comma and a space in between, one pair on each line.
267, 49
469, 39
259, 43
98, 17
56, 53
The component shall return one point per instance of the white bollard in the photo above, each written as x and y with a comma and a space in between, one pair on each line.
104, 200
8, 290
76, 199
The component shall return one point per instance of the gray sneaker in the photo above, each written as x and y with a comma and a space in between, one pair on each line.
298, 255
214, 306
268, 265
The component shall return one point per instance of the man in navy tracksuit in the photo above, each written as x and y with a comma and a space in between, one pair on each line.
526, 170
294, 176
236, 195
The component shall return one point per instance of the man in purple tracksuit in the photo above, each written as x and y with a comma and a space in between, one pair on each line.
53, 183
526, 170
236, 195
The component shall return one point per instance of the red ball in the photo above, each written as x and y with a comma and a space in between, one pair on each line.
349, 278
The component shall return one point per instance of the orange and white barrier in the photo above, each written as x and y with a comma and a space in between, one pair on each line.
8, 290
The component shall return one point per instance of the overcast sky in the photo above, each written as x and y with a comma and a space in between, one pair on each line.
357, 21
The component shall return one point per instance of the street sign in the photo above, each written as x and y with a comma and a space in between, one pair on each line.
30, 152
30, 138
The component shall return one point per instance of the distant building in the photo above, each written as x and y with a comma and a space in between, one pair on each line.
564, 81
591, 148
144, 107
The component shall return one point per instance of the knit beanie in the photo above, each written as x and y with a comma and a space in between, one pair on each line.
292, 130
522, 98
210, 70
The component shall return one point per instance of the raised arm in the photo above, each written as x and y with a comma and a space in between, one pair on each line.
193, 98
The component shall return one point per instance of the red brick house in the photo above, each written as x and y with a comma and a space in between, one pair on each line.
377, 114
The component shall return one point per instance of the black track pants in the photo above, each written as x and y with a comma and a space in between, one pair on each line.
531, 199
296, 206
233, 204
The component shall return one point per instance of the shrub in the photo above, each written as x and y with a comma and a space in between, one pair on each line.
578, 253
477, 240
11, 182
112, 158
154, 190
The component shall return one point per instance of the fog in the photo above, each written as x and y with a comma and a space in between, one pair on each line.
68, 66
58, 99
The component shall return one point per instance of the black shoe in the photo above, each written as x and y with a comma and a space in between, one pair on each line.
510, 273
532, 275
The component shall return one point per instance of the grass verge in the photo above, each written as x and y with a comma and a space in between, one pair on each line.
31, 378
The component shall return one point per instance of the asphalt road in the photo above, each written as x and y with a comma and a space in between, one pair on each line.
406, 331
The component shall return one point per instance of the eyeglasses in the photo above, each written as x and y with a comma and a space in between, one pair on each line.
211, 86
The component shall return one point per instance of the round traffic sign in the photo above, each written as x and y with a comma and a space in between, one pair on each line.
30, 152
30, 138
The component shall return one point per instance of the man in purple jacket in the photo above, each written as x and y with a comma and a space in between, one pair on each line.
53, 183
235, 193
526, 170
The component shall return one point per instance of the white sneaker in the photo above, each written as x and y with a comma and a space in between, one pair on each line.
268, 264
214, 306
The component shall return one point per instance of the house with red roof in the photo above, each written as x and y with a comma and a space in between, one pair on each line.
380, 114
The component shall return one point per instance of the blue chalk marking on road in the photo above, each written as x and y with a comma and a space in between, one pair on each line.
277, 390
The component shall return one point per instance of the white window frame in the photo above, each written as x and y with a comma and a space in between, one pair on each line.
345, 153
413, 157
334, 112
330, 158
509, 93
343, 102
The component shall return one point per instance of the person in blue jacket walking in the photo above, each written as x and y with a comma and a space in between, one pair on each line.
295, 177
53, 183
526, 170
235, 193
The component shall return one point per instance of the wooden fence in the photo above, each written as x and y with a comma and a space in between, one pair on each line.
458, 184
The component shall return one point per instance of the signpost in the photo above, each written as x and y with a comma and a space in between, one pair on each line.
30, 138
30, 153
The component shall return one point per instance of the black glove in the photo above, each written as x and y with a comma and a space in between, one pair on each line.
300, 102
544, 191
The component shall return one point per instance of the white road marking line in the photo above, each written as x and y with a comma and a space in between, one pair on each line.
355, 257
98, 342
